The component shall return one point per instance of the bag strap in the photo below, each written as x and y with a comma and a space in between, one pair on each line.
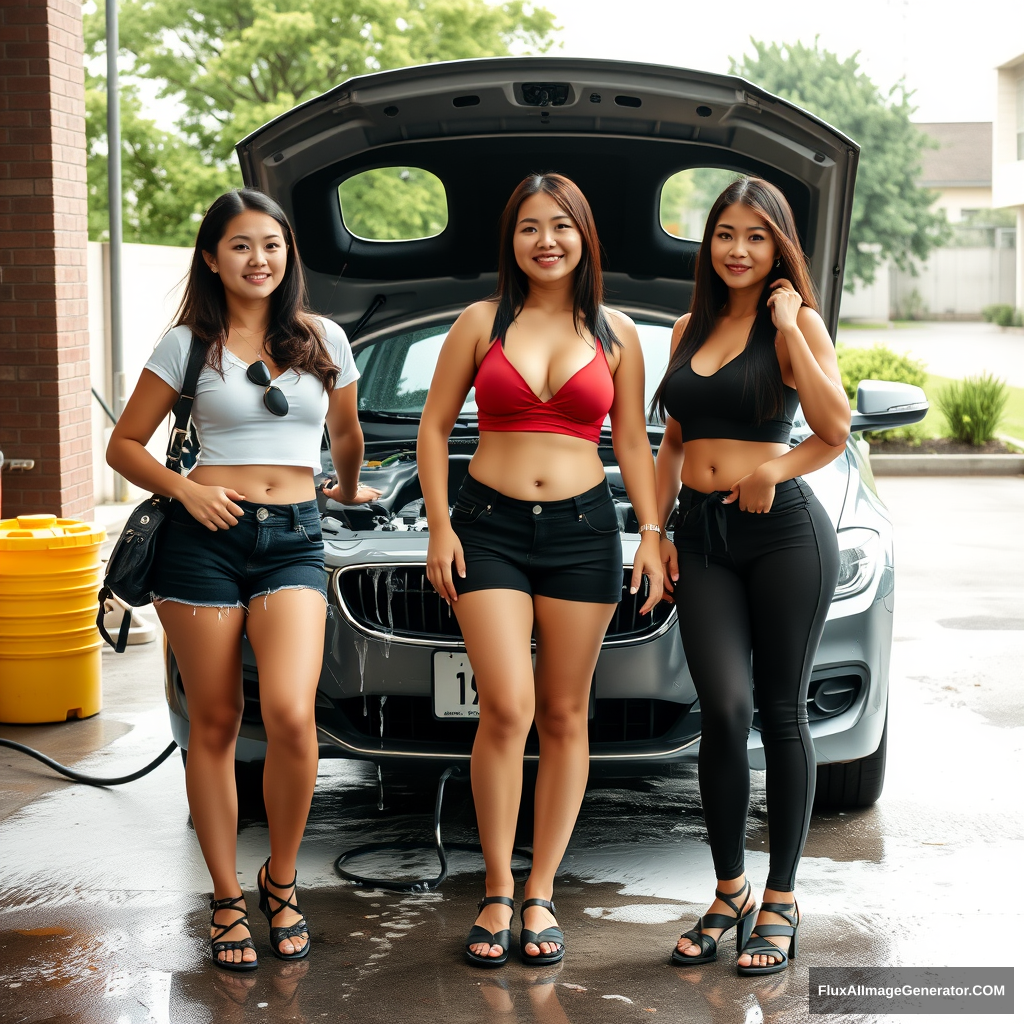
126, 623
183, 406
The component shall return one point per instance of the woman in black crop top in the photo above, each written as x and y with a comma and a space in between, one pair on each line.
755, 559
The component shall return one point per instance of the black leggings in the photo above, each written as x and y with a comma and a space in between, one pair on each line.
753, 592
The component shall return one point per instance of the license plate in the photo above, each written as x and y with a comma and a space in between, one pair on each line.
455, 693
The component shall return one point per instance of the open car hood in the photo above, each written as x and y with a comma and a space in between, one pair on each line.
619, 130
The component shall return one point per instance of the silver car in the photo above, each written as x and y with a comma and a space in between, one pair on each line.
396, 685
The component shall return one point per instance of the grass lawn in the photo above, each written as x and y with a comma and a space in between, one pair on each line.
935, 425
877, 325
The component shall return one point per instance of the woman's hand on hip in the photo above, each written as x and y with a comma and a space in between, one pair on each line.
754, 493
670, 567
212, 505
647, 562
444, 549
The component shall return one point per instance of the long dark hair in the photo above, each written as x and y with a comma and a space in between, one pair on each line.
710, 295
588, 287
293, 335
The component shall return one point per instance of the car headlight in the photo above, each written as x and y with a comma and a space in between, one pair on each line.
860, 551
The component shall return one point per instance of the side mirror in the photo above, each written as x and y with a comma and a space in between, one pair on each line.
882, 404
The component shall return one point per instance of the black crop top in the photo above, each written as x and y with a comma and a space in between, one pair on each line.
716, 406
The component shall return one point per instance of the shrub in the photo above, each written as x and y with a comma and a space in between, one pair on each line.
1018, 318
994, 313
877, 363
973, 408
910, 306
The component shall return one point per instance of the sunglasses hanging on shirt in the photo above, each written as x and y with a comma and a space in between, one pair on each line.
273, 396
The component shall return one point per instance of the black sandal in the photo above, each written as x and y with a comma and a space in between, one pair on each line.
743, 923
757, 945
217, 945
278, 935
478, 934
553, 934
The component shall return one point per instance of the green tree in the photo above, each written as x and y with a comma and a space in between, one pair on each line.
233, 65
892, 215
167, 185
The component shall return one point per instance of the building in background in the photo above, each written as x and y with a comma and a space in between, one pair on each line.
978, 266
960, 169
1008, 157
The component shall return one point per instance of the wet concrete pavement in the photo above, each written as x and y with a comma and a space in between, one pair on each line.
103, 913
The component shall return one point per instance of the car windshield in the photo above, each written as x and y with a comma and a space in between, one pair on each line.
397, 369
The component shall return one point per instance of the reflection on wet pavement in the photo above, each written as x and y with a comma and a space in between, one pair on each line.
103, 912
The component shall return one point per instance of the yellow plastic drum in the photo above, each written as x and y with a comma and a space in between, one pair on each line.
49, 644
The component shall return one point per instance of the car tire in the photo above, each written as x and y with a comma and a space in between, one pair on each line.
854, 783
248, 783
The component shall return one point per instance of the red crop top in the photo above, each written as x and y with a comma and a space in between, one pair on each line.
505, 401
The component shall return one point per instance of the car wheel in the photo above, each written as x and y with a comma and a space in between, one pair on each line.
855, 783
248, 783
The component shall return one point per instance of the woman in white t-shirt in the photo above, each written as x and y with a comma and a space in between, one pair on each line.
242, 549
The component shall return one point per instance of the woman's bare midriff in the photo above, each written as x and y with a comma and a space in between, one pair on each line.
716, 464
536, 466
275, 485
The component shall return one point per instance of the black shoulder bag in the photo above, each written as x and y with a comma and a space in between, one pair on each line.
129, 574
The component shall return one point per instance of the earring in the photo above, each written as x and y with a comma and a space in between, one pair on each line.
778, 263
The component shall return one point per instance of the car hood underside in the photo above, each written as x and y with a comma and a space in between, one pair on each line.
619, 131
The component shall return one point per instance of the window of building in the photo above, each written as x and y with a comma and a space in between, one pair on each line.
389, 204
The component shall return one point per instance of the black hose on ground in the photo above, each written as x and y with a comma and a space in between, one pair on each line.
419, 884
389, 884
90, 780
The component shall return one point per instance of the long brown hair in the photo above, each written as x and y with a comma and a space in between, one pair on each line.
293, 335
711, 294
588, 282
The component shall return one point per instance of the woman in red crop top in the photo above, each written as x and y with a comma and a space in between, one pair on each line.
532, 545
755, 559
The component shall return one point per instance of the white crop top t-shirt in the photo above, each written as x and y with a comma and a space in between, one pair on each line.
233, 425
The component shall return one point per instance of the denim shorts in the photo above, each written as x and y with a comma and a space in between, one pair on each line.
568, 549
273, 547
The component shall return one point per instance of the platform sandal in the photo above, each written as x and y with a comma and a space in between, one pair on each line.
218, 945
743, 923
278, 935
552, 934
477, 935
758, 945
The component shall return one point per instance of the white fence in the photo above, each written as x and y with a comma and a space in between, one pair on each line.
955, 283
152, 277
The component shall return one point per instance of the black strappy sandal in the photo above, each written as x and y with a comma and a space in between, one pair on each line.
547, 935
278, 935
218, 945
743, 923
478, 934
757, 945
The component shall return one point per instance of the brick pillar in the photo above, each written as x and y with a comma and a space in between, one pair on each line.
44, 332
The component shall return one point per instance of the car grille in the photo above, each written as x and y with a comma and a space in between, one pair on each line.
400, 601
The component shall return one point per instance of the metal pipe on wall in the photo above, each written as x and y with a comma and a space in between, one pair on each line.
114, 203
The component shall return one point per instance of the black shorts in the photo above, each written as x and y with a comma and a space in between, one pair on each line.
273, 547
568, 549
